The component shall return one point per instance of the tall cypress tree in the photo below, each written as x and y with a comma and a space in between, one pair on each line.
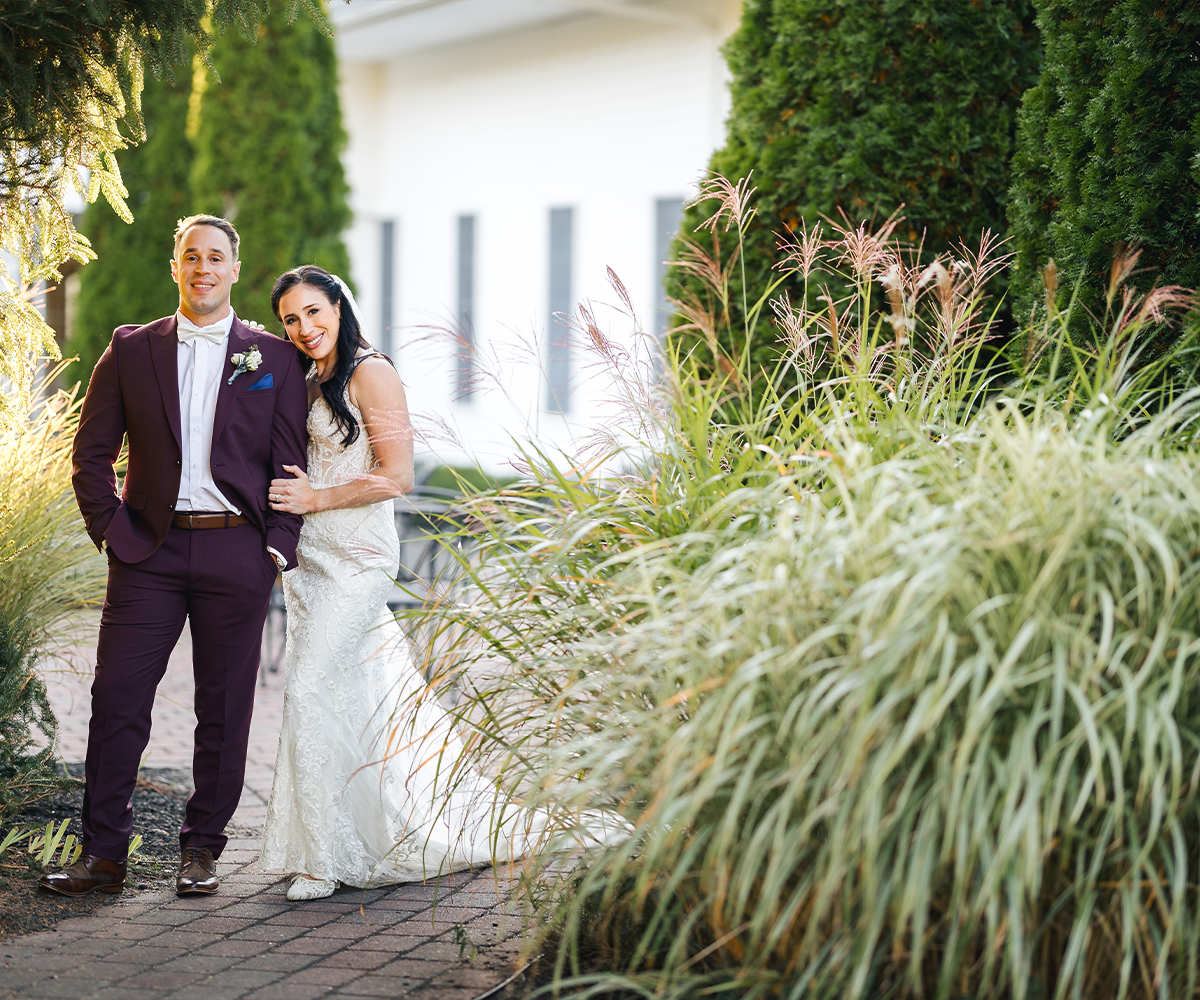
130, 281
867, 105
1108, 149
268, 138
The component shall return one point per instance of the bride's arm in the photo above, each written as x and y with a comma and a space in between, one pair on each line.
376, 389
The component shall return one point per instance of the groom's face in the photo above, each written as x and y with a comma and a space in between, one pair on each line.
205, 270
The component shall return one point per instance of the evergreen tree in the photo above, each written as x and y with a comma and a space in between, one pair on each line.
268, 140
864, 106
71, 78
130, 282
1108, 148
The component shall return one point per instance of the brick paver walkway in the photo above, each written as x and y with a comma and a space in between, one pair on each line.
249, 941
450, 940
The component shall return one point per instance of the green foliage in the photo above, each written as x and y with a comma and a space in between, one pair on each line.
25, 770
890, 726
861, 107
43, 847
70, 84
11, 838
458, 481
48, 565
896, 669
926, 315
49, 569
130, 282
1108, 152
268, 141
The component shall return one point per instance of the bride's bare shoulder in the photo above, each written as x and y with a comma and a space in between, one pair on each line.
376, 383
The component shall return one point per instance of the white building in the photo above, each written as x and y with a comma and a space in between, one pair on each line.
503, 154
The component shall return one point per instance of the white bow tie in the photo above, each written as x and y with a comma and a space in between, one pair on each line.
188, 331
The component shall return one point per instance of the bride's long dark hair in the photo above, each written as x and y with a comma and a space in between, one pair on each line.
350, 341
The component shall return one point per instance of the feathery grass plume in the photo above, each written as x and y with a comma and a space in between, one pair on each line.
894, 668
49, 570
846, 330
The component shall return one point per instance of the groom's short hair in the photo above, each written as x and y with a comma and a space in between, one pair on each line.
183, 225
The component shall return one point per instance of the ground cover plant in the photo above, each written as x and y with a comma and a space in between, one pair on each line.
889, 656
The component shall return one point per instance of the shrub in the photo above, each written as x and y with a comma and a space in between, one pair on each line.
268, 140
49, 569
130, 281
893, 667
27, 770
864, 107
261, 146
1108, 148
459, 481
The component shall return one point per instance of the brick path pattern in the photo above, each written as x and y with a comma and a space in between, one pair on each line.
250, 942
453, 939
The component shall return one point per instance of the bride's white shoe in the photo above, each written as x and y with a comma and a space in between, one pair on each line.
303, 887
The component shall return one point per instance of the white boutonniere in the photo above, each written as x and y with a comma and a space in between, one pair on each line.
245, 362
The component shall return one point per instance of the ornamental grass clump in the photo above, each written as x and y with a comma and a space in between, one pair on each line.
931, 730
49, 570
894, 666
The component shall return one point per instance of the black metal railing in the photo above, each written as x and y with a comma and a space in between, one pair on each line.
426, 526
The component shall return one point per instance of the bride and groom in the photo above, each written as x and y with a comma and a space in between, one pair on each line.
247, 455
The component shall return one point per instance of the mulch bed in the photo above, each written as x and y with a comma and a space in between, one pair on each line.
158, 805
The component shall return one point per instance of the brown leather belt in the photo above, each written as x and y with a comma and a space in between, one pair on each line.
192, 522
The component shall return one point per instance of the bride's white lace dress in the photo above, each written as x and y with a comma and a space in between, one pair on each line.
337, 811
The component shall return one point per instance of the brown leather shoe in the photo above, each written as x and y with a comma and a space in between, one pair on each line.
88, 874
197, 873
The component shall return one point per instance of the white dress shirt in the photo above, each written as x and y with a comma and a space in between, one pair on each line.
201, 363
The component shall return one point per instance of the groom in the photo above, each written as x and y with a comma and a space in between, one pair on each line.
212, 411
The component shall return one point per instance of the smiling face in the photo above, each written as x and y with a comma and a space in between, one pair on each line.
205, 270
311, 323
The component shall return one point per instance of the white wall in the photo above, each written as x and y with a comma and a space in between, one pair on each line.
600, 113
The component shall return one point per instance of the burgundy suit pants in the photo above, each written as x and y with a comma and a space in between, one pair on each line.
220, 580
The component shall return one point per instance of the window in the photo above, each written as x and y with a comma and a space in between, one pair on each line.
558, 331
465, 315
667, 214
387, 287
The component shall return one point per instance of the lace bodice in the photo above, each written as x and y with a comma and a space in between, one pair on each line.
329, 464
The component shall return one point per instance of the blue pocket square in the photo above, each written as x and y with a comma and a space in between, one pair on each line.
266, 382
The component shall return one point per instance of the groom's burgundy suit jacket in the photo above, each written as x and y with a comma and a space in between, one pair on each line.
134, 390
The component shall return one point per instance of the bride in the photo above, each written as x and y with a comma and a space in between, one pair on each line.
358, 799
